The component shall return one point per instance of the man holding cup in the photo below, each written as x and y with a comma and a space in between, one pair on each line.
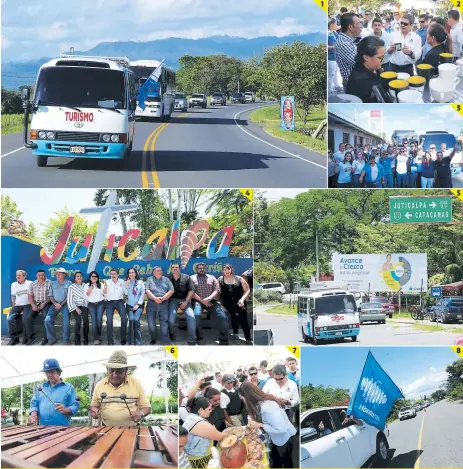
404, 47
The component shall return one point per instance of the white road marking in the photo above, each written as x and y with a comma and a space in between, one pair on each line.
271, 144
14, 151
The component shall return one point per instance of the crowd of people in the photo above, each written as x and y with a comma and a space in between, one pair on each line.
265, 397
164, 295
363, 45
55, 401
391, 166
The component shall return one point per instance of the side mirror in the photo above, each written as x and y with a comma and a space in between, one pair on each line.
26, 94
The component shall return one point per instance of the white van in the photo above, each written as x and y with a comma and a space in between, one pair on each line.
275, 286
83, 107
335, 445
327, 315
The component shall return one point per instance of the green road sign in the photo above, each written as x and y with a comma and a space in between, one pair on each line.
420, 209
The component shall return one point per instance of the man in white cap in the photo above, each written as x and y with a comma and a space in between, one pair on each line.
119, 399
55, 401
58, 295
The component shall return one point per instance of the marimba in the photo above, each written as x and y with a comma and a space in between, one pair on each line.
89, 447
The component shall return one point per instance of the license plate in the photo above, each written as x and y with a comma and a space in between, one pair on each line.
459, 316
338, 333
77, 150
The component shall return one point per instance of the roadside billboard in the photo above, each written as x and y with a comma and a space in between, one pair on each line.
382, 272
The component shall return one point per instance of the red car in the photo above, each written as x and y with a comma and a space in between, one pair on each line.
389, 308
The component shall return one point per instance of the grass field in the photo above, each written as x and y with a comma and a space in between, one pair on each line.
282, 309
12, 123
269, 117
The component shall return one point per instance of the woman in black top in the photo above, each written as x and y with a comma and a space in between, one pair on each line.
365, 74
233, 292
436, 37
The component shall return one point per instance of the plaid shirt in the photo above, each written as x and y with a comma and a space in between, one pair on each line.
205, 285
345, 51
39, 291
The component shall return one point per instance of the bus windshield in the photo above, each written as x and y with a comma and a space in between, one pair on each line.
80, 86
437, 139
334, 304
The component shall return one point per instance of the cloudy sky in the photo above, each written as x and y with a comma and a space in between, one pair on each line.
418, 117
85, 23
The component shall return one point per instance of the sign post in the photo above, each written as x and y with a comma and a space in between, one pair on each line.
426, 209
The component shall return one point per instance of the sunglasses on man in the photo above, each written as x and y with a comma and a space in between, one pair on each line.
404, 24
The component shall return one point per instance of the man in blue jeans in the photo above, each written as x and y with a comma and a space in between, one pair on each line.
387, 161
114, 290
158, 289
183, 293
207, 292
58, 294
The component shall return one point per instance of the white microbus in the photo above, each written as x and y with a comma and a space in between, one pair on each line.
327, 315
83, 107
160, 98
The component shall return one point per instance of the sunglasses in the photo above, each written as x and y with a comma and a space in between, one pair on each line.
252, 374
404, 24
118, 371
422, 21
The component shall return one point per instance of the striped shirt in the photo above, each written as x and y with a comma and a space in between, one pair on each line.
345, 51
39, 291
76, 296
183, 460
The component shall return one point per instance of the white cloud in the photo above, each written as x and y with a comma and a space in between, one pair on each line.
5, 42
425, 385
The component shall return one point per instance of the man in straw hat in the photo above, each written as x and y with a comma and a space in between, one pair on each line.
58, 294
55, 401
119, 398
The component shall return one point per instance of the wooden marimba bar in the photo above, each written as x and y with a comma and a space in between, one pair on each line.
89, 447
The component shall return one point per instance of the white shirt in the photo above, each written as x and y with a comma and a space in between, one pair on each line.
115, 291
374, 172
457, 39
266, 376
19, 291
288, 391
216, 385
224, 399
96, 295
412, 41
402, 164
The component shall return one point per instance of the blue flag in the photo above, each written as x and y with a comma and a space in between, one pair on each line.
374, 396
152, 79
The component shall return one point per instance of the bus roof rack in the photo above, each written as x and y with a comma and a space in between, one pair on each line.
125, 61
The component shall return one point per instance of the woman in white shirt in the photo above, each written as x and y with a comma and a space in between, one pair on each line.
95, 298
77, 304
265, 412
357, 168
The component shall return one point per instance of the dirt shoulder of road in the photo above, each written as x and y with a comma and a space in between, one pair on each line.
269, 119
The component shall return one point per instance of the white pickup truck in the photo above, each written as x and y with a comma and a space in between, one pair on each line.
198, 100
407, 413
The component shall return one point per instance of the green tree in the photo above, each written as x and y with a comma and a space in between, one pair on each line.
438, 395
454, 379
313, 397
172, 376
10, 209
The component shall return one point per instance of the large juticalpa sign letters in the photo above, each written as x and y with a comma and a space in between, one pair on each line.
382, 272
420, 209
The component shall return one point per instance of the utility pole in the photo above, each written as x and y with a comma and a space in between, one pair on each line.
171, 212
238, 86
316, 254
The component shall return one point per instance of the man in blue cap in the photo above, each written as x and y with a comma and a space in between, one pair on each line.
55, 401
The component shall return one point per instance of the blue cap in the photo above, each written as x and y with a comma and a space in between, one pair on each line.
50, 364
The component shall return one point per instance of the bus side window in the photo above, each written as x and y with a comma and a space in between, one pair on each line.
312, 305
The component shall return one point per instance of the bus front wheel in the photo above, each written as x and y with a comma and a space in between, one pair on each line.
42, 161
354, 338
305, 337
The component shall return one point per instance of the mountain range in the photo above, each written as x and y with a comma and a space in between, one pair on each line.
171, 49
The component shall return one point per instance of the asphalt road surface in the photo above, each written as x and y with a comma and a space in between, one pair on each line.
285, 332
213, 147
431, 439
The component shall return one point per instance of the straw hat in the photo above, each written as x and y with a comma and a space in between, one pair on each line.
60, 270
118, 359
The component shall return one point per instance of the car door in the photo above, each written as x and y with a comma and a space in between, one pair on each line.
357, 438
323, 449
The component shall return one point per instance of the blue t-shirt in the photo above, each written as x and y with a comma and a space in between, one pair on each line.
332, 35
344, 175
386, 163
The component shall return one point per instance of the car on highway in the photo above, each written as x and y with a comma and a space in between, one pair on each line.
275, 286
407, 413
218, 98
448, 309
417, 407
181, 102
372, 312
389, 307
238, 98
198, 100
333, 444
250, 97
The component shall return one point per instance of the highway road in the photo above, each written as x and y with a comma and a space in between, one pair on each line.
213, 147
431, 439
286, 332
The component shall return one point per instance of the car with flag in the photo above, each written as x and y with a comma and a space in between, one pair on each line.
327, 442
407, 412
